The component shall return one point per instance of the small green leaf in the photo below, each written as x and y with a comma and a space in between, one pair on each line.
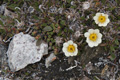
35, 17
69, 1
56, 25
116, 42
112, 48
82, 18
15, 0
1, 23
12, 6
47, 28
43, 24
112, 56
62, 22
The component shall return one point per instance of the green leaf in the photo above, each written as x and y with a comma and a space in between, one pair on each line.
1, 23
112, 56
96, 78
2, 31
56, 25
47, 28
35, 17
112, 48
53, 26
116, 42
82, 18
103, 1
69, 1
15, 0
62, 22
44, 24
12, 6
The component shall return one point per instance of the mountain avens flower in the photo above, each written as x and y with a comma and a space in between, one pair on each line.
101, 19
93, 37
70, 48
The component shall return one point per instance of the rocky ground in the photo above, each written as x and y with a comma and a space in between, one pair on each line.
55, 22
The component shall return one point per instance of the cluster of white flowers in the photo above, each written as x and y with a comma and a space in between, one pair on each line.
93, 36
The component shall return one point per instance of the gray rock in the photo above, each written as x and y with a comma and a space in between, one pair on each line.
23, 51
2, 8
49, 59
3, 59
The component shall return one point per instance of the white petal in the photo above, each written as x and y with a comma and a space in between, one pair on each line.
104, 24
100, 24
96, 44
102, 14
99, 35
98, 14
106, 16
96, 19
64, 49
70, 42
76, 52
71, 54
67, 54
86, 34
65, 45
90, 30
108, 20
75, 45
91, 44
88, 40
96, 31
99, 41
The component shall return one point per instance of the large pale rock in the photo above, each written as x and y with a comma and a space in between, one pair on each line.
23, 51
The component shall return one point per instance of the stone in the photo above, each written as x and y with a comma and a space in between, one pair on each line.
6, 12
2, 8
49, 59
23, 51
3, 60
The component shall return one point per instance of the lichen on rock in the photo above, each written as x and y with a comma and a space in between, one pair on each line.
23, 51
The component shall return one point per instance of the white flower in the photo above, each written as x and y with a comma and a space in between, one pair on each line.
101, 19
93, 37
70, 48
86, 5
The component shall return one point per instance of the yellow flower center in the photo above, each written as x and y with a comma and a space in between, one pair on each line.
102, 19
71, 48
93, 37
